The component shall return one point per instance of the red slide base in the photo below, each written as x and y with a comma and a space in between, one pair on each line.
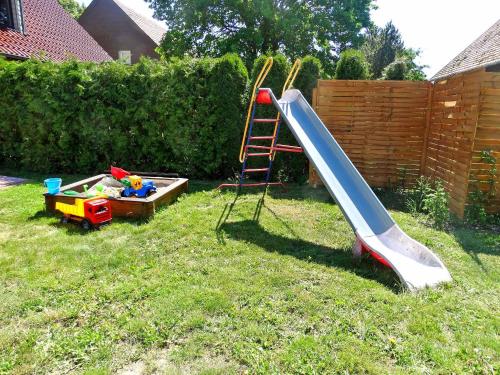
377, 257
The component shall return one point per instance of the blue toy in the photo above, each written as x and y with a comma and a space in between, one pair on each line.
53, 185
146, 189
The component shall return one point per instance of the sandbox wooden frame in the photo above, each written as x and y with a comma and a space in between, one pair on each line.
168, 190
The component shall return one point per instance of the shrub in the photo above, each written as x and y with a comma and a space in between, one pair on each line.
352, 65
184, 115
404, 67
479, 197
428, 197
475, 212
309, 74
416, 196
395, 71
278, 74
436, 205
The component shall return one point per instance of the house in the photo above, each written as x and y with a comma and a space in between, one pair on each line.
463, 146
121, 31
42, 28
482, 55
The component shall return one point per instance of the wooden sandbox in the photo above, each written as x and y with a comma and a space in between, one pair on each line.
168, 189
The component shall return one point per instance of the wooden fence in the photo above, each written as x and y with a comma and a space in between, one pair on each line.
395, 131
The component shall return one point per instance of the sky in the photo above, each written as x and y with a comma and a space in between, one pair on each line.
441, 29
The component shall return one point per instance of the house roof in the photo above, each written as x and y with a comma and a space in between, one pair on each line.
150, 27
484, 51
51, 31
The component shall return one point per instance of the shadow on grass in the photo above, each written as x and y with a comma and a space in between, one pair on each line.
74, 228
251, 231
301, 192
477, 241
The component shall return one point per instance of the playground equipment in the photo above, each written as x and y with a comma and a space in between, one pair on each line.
249, 149
375, 230
90, 213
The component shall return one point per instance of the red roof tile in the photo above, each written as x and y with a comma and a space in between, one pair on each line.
53, 32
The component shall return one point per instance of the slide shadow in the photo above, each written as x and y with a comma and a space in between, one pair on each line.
478, 241
251, 231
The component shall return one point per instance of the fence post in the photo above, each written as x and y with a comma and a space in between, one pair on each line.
428, 119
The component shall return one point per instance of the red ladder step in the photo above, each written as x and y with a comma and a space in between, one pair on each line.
268, 120
259, 154
288, 146
258, 147
261, 137
255, 170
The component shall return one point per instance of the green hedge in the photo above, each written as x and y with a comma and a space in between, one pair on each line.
352, 64
184, 115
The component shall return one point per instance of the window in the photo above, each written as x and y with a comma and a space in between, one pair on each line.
125, 57
493, 68
6, 19
11, 15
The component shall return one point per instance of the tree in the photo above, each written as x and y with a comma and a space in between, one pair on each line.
321, 28
396, 70
404, 67
352, 65
72, 7
381, 47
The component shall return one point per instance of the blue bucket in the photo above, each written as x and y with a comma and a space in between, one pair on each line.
53, 185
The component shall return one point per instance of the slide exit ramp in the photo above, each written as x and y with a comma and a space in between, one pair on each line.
376, 232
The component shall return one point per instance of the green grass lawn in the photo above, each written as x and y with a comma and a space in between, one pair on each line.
219, 284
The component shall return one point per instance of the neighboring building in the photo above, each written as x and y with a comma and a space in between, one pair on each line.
465, 123
43, 28
483, 54
121, 31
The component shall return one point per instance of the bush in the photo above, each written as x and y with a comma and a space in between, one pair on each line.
415, 197
352, 65
404, 67
184, 115
278, 74
430, 198
309, 74
482, 192
395, 71
436, 205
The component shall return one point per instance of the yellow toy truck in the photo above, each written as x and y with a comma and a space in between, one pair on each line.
91, 213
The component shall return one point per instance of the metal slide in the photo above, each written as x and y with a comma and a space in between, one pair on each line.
376, 232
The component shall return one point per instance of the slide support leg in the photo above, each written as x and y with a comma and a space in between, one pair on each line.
357, 248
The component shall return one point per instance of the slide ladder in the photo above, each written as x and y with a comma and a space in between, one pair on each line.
257, 147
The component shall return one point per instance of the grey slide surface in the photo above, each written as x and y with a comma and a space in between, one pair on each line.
375, 230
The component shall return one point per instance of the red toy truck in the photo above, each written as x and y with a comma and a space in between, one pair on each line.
91, 213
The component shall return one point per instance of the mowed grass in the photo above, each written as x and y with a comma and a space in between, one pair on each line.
217, 283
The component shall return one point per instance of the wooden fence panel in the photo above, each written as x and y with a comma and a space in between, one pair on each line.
450, 140
487, 139
398, 129
379, 124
